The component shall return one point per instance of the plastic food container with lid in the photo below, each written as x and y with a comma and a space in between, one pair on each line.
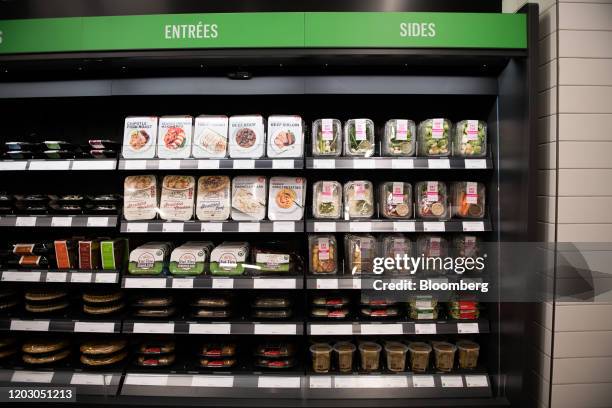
468, 199
370, 355
396, 199
213, 200
419, 356
140, 197
229, 258
360, 251
396, 245
468, 354
177, 198
247, 137
140, 137
432, 246
321, 357
285, 136
359, 138
444, 355
400, 138
326, 137
249, 198
210, 137
470, 138
327, 199
432, 200
323, 257
287, 196
466, 246
435, 137
174, 141
395, 353
358, 199
345, 352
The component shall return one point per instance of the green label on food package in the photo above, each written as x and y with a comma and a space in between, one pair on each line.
107, 249
264, 30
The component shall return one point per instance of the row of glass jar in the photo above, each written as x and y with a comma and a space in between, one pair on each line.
361, 249
436, 138
356, 200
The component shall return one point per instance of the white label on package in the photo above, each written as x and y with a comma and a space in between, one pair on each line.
437, 128
393, 328
210, 328
323, 248
31, 377
432, 191
324, 227
153, 328
25, 221
94, 327
30, 325
360, 190
319, 381
451, 381
327, 129
360, 129
262, 328
331, 329
476, 381
471, 133
471, 192
278, 382
425, 328
398, 193
465, 328
423, 381
222, 283
401, 132
61, 221
214, 381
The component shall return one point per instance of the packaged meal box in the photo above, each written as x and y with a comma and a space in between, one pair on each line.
285, 136
286, 198
113, 253
323, 254
360, 251
229, 258
396, 245
210, 137
213, 202
149, 259
432, 200
466, 246
396, 199
272, 258
249, 198
174, 141
190, 258
468, 199
177, 198
400, 138
358, 199
65, 254
247, 138
434, 137
470, 138
327, 199
89, 254
139, 137
140, 197
359, 137
326, 137
432, 246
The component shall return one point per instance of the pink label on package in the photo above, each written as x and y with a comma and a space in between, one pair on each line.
434, 247
323, 244
327, 129
402, 130
360, 129
398, 193
360, 193
432, 191
399, 246
472, 130
469, 244
471, 193
437, 128
327, 191
365, 244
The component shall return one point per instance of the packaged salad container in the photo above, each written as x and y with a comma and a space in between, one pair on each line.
213, 201
468, 199
358, 199
249, 198
285, 136
326, 137
396, 199
435, 137
432, 246
466, 246
327, 199
174, 141
360, 251
359, 137
400, 138
210, 137
395, 245
247, 137
470, 138
287, 198
177, 198
139, 137
140, 197
432, 200
323, 257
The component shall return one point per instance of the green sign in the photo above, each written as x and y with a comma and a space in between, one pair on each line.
264, 30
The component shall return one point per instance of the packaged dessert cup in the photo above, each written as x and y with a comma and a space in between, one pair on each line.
399, 138
285, 136
432, 200
444, 355
359, 138
395, 353
360, 251
468, 354
140, 197
345, 352
140, 137
435, 138
396, 200
323, 254
470, 138
177, 198
249, 198
286, 198
174, 141
370, 355
321, 357
327, 200
468, 199
419, 356
358, 199
210, 137
326, 137
247, 137
213, 201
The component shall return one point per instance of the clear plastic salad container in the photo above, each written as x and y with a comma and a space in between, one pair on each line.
359, 137
470, 138
326, 137
468, 199
435, 137
396, 245
396, 199
360, 251
358, 199
400, 138
466, 246
327, 199
432, 200
323, 251
431, 246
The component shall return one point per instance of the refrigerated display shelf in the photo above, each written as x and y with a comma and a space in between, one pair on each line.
424, 327
68, 276
397, 226
291, 328
59, 221
209, 164
210, 282
58, 165
84, 382
397, 163
212, 227
63, 325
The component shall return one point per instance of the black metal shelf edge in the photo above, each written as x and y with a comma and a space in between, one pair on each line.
211, 226
211, 164
372, 282
398, 163
60, 276
213, 282
387, 225
59, 221
58, 164
290, 328
375, 328
63, 325
84, 382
